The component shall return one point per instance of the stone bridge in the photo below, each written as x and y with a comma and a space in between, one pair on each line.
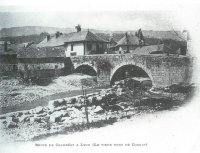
161, 69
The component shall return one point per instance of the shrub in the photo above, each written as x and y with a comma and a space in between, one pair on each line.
103, 64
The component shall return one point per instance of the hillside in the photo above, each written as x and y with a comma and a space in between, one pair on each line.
31, 30
36, 38
35, 30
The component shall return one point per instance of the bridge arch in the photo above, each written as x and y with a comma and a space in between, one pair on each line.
142, 68
85, 69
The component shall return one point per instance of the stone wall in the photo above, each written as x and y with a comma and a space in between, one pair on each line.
8, 65
8, 69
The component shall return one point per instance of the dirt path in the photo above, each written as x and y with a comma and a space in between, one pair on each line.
44, 100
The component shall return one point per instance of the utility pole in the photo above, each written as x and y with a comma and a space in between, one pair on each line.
127, 42
170, 79
85, 103
170, 82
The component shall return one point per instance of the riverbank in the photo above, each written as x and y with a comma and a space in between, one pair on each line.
16, 96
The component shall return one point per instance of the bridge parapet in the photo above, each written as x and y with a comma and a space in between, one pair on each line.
163, 70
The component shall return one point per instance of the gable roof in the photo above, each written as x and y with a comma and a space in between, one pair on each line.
132, 40
152, 49
112, 40
53, 42
82, 36
44, 52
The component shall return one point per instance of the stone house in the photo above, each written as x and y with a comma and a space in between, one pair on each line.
84, 43
77, 43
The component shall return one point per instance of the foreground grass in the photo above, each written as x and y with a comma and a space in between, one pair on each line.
116, 117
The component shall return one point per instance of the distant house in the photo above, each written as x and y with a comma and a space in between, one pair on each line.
127, 43
77, 43
152, 49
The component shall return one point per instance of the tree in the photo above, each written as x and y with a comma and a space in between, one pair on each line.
141, 37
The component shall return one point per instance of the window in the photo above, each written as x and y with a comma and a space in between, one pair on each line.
14, 67
89, 47
65, 44
72, 47
73, 54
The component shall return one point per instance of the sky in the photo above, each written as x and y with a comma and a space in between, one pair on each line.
103, 20
103, 15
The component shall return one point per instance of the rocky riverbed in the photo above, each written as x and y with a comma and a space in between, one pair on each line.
68, 115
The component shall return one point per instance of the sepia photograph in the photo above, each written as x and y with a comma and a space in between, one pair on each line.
104, 77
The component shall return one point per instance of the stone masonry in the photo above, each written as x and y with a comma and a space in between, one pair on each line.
163, 70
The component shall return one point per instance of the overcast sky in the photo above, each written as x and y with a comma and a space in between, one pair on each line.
104, 20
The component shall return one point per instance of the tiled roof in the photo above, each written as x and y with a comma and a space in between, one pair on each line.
132, 40
82, 36
161, 48
52, 42
44, 52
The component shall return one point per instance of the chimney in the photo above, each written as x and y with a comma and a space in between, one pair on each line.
127, 41
78, 28
188, 48
57, 34
5, 46
48, 37
185, 35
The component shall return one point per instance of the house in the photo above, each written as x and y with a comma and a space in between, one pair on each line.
42, 62
77, 43
84, 43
